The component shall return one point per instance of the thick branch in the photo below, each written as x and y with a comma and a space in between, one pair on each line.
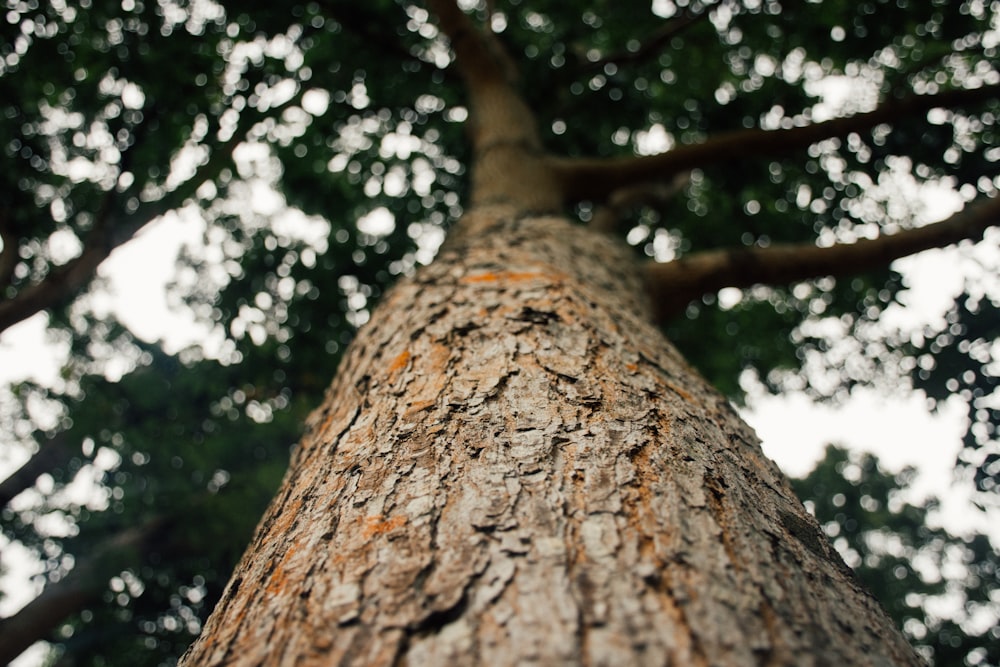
673, 285
84, 585
596, 178
50, 455
508, 167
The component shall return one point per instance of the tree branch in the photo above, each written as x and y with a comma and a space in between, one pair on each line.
595, 179
109, 232
499, 114
51, 454
84, 584
672, 285
8, 256
65, 281
654, 43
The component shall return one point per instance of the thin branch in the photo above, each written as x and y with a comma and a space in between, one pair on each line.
368, 25
654, 44
935, 54
50, 455
84, 585
673, 285
607, 217
111, 231
595, 179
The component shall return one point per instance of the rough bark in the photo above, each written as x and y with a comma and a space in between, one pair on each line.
514, 467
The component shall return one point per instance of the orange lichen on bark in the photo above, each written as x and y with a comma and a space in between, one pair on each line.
419, 406
379, 525
680, 392
279, 577
428, 376
399, 362
325, 425
509, 277
284, 521
439, 356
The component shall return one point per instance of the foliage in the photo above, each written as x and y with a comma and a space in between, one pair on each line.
322, 144
961, 360
909, 564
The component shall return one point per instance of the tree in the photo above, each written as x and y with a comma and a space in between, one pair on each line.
545, 184
512, 467
884, 538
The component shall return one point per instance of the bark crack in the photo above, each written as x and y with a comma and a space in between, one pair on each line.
716, 504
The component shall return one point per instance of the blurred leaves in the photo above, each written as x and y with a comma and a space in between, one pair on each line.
912, 567
961, 361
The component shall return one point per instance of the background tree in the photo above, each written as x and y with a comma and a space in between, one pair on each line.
97, 99
904, 559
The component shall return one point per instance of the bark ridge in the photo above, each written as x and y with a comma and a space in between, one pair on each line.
514, 467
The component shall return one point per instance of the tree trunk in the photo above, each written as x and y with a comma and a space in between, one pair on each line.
513, 466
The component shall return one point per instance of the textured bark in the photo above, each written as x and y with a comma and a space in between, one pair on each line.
514, 467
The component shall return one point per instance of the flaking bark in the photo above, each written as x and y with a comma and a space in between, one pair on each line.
514, 467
